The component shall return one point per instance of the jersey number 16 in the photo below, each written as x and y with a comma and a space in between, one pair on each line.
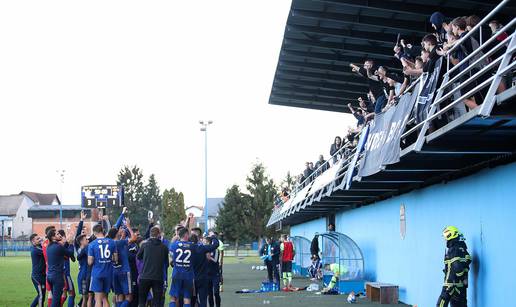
104, 252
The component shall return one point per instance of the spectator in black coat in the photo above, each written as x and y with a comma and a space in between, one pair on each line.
335, 147
368, 71
307, 173
314, 246
459, 28
321, 166
437, 20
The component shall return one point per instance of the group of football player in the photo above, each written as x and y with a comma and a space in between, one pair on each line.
135, 268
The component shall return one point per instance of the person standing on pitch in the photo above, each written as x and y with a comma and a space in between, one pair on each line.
81, 247
270, 256
287, 256
215, 271
155, 257
182, 253
456, 268
101, 255
69, 286
57, 250
38, 274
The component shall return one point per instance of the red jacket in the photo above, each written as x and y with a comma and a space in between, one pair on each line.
288, 251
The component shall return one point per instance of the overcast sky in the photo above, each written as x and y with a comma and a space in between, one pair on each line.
92, 86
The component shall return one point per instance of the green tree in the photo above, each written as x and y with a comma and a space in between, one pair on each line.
152, 196
173, 211
132, 180
233, 216
262, 191
288, 183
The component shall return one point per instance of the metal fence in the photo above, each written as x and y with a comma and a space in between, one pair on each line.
10, 247
241, 250
13, 247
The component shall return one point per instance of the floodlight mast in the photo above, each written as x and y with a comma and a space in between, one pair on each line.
204, 128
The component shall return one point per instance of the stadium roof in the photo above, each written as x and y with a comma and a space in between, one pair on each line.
322, 37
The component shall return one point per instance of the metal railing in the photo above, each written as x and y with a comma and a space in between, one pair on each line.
451, 78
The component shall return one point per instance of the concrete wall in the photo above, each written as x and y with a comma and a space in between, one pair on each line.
483, 206
309, 229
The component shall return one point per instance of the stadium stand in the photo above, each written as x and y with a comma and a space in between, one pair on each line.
438, 124
448, 113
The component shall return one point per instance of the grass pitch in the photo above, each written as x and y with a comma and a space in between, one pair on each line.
16, 288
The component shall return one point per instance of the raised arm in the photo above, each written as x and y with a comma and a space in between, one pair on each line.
147, 232
120, 220
129, 228
81, 224
208, 248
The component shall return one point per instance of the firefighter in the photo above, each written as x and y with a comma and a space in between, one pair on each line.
456, 268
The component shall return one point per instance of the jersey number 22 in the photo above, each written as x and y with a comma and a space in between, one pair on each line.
186, 253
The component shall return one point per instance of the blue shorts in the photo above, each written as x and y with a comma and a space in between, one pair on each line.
122, 283
181, 287
100, 284
82, 283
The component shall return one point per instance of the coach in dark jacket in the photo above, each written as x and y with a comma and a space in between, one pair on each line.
270, 253
155, 259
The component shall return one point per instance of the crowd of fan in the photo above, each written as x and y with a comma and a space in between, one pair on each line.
386, 85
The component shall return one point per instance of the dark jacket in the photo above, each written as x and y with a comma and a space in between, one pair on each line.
155, 259
314, 246
456, 264
201, 264
38, 263
275, 251
375, 86
333, 150
323, 168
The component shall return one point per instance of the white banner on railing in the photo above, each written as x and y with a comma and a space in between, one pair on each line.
325, 178
360, 147
383, 142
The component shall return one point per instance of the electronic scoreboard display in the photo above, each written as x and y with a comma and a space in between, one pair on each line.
102, 196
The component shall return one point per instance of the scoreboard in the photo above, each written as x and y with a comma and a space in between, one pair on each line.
102, 196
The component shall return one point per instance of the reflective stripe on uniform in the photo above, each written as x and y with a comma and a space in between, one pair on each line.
129, 282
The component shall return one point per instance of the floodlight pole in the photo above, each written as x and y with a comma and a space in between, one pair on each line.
61, 173
204, 128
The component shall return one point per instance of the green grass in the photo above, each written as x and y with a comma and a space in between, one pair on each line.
16, 288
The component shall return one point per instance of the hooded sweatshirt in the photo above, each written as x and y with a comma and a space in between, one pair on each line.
155, 257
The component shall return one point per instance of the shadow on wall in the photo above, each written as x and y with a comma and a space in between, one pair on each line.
476, 285
369, 253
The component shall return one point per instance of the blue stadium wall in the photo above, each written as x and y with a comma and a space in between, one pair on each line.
482, 205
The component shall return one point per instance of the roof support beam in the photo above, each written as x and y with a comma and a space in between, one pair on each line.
381, 52
385, 39
342, 77
333, 89
343, 58
405, 26
312, 98
417, 9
